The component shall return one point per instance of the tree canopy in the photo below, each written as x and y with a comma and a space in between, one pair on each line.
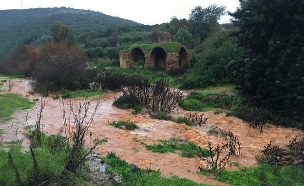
203, 20
271, 70
62, 32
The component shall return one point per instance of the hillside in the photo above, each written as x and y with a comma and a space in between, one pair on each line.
22, 26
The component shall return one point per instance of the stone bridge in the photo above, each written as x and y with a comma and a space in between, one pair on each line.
168, 57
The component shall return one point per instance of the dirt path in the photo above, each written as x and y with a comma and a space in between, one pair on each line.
128, 145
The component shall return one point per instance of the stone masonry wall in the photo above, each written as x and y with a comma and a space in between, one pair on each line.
172, 60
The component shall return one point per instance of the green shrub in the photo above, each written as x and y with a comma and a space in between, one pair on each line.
128, 102
191, 105
9, 103
125, 124
81, 93
186, 148
202, 101
132, 175
50, 158
264, 174
182, 119
59, 66
163, 116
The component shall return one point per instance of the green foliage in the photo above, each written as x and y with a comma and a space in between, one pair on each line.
61, 67
82, 93
184, 37
167, 46
256, 117
132, 175
163, 116
183, 119
132, 37
112, 53
9, 103
264, 174
62, 32
34, 24
211, 60
186, 148
203, 20
50, 158
271, 69
128, 102
125, 124
201, 101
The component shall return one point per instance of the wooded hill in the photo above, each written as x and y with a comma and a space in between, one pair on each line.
24, 26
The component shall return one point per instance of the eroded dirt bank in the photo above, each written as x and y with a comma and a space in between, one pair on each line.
128, 145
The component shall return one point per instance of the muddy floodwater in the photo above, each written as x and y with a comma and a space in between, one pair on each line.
128, 145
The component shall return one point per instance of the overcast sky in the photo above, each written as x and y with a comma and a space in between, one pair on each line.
147, 12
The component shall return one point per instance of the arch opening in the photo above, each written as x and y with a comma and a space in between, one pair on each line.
137, 58
159, 58
182, 57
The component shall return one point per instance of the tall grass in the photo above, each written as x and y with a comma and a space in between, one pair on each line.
264, 175
204, 101
129, 125
134, 176
50, 162
185, 148
82, 93
9, 103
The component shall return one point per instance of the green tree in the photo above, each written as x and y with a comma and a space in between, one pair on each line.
60, 67
183, 36
61, 32
203, 20
112, 53
272, 35
210, 66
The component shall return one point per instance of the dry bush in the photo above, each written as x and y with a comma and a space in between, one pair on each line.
257, 118
76, 128
218, 158
197, 119
59, 66
157, 97
293, 155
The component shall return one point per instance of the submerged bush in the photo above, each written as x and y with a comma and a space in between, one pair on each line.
125, 124
196, 101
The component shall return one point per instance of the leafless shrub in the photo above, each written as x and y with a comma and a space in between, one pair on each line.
218, 159
197, 119
269, 154
233, 144
296, 146
217, 163
281, 156
257, 118
76, 130
10, 84
155, 97
35, 135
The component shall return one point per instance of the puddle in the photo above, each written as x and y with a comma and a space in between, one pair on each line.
128, 144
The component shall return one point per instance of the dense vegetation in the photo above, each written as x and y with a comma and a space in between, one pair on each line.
76, 51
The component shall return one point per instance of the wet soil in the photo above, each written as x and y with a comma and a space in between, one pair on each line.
128, 145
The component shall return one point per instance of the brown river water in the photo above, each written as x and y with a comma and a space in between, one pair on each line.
128, 144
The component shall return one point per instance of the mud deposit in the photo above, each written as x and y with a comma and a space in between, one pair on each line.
128, 144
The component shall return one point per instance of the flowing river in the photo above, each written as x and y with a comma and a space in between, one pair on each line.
128, 145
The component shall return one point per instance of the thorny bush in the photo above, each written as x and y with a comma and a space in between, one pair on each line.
218, 158
155, 97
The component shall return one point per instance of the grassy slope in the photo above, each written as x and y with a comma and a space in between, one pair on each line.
9, 103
